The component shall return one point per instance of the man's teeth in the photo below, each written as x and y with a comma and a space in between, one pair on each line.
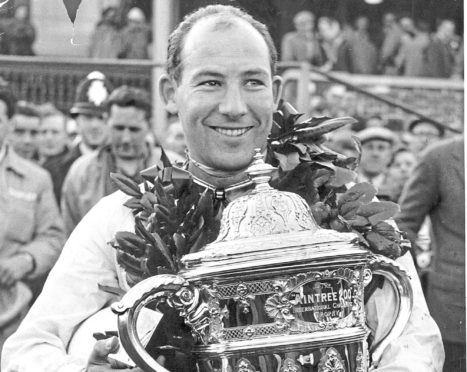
232, 132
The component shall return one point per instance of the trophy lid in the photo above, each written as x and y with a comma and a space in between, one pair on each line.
264, 211
267, 229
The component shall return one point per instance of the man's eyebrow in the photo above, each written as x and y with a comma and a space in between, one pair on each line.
210, 73
256, 71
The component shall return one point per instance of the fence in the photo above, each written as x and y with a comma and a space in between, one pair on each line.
42, 79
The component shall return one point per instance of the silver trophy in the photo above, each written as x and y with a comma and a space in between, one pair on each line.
274, 292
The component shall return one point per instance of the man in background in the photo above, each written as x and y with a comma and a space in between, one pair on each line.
31, 230
303, 45
377, 147
127, 116
441, 51
422, 134
23, 137
53, 147
437, 189
88, 113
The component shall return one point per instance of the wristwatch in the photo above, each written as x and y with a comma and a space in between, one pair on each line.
31, 260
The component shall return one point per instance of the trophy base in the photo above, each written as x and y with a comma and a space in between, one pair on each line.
291, 353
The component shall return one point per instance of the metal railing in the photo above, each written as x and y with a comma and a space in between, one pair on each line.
52, 79
47, 79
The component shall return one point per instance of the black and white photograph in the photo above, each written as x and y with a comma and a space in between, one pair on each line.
232, 186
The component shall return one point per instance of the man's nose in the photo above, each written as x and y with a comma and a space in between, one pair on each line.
126, 135
233, 103
28, 137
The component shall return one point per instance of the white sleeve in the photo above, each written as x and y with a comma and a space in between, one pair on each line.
419, 347
70, 294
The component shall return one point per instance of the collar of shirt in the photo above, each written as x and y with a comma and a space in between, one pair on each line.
11, 161
375, 181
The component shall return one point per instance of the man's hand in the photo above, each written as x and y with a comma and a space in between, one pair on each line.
13, 269
99, 362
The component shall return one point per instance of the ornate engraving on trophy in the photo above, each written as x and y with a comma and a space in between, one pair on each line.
317, 301
243, 296
331, 361
202, 312
289, 365
244, 365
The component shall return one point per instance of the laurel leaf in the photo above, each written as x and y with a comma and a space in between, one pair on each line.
127, 185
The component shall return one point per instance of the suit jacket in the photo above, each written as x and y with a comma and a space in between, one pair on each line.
437, 189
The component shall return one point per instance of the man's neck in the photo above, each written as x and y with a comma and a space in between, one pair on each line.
218, 179
130, 167
86, 149
370, 177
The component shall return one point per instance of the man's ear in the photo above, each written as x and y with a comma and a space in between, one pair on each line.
277, 84
167, 88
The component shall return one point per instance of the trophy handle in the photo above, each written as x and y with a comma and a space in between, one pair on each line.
400, 282
128, 309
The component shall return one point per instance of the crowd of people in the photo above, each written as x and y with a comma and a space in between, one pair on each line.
113, 38
64, 161
407, 47
403, 46
55, 167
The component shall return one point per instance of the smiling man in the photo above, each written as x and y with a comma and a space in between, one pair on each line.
221, 82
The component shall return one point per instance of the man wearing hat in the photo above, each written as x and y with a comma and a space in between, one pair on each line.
87, 110
377, 147
127, 115
31, 230
424, 133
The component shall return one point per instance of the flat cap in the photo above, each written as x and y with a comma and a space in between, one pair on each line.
377, 133
416, 122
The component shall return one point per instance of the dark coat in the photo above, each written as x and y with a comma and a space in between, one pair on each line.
437, 189
58, 167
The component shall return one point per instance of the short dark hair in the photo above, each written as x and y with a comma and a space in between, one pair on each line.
48, 111
27, 109
126, 96
398, 151
7, 96
177, 38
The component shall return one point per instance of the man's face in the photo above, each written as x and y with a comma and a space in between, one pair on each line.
128, 130
24, 137
226, 95
423, 135
447, 30
304, 24
403, 165
94, 133
376, 155
4, 122
53, 135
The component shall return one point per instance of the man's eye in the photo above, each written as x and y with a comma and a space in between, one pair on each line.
254, 83
210, 83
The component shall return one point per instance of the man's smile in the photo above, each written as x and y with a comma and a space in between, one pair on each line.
231, 132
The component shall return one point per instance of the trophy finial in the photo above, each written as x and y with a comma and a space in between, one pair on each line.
260, 172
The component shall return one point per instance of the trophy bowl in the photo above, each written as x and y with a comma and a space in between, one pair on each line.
274, 292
